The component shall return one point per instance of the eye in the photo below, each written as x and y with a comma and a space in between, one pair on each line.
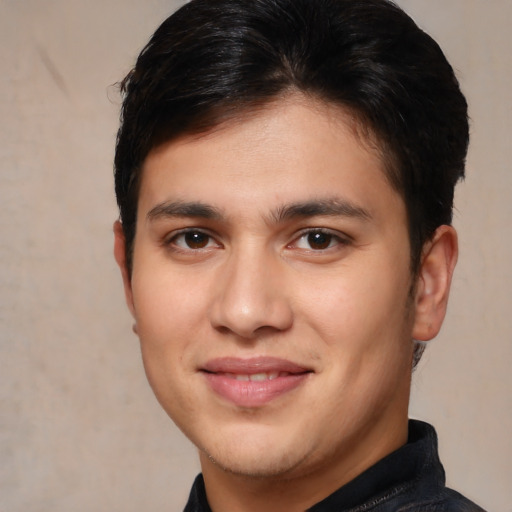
318, 240
193, 240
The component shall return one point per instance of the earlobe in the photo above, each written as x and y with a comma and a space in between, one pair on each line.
120, 256
434, 281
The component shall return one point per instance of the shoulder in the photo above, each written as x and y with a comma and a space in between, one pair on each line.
447, 501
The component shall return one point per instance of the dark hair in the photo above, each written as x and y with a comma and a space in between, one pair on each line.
213, 61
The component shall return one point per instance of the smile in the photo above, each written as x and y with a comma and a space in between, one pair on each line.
255, 382
257, 377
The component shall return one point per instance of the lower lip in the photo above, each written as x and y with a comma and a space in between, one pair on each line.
253, 393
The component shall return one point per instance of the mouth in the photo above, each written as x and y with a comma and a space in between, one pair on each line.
251, 383
257, 377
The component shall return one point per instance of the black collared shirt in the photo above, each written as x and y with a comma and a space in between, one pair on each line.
411, 479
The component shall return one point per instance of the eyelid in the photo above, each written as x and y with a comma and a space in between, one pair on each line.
342, 238
173, 235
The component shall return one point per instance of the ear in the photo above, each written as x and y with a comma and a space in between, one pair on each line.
433, 285
120, 256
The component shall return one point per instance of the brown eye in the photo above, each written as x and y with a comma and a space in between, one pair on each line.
192, 241
318, 240
196, 240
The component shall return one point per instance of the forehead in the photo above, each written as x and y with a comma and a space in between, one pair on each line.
290, 150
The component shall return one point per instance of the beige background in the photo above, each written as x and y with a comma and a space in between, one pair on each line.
79, 427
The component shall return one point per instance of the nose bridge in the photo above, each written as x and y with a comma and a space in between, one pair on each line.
251, 295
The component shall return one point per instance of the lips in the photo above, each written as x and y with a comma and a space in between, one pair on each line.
257, 377
253, 382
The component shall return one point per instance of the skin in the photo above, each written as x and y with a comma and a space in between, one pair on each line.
327, 289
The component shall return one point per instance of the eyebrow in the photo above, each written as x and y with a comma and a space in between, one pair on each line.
333, 207
171, 209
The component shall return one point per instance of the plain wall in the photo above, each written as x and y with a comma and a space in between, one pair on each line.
79, 427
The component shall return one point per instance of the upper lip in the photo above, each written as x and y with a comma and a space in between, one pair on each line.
252, 365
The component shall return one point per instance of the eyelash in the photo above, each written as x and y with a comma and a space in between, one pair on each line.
334, 239
171, 241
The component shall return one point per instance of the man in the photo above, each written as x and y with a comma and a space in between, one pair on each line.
285, 173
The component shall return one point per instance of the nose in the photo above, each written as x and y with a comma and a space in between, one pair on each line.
251, 297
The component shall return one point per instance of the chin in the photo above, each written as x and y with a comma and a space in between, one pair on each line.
256, 459
255, 466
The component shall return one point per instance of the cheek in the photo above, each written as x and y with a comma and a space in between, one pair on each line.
164, 301
356, 309
166, 329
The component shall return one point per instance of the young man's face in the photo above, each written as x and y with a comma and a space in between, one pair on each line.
271, 289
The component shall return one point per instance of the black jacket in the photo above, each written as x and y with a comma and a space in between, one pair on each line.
411, 479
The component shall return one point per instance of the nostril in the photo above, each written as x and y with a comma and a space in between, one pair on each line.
223, 329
